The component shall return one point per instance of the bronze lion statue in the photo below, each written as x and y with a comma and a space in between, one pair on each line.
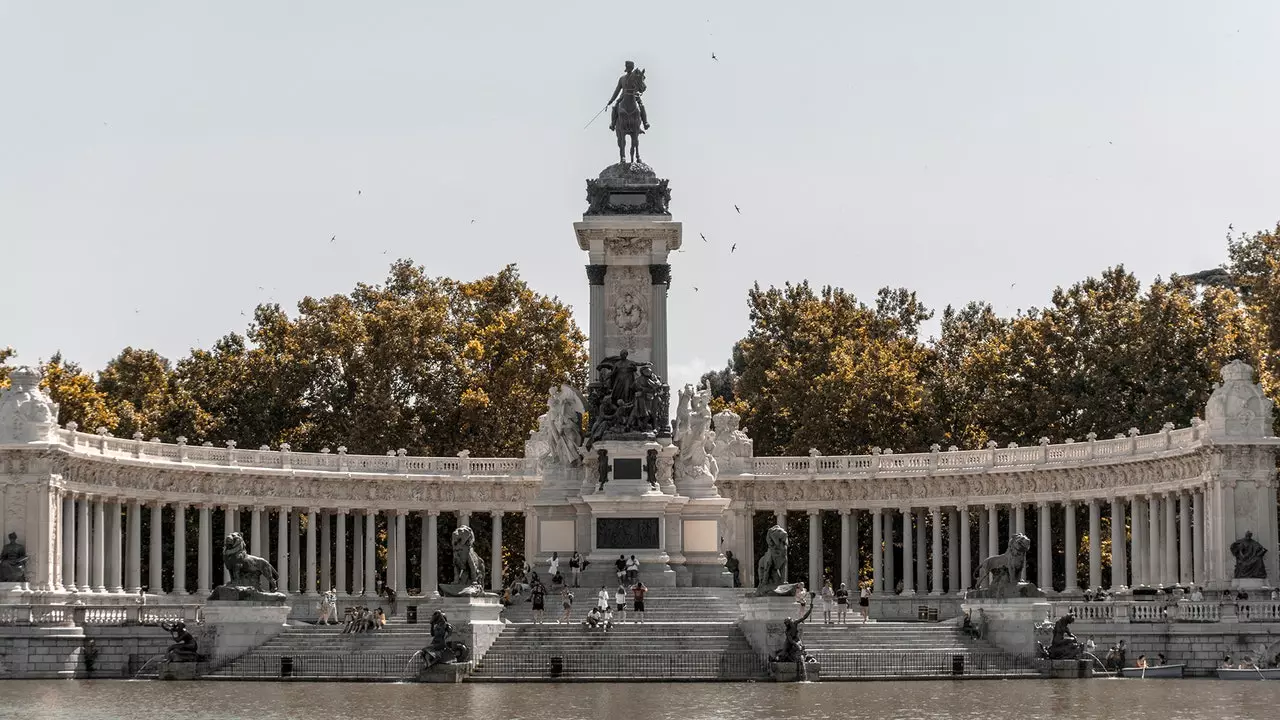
246, 570
998, 574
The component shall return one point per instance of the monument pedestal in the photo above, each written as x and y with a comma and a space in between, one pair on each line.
1010, 622
180, 670
238, 627
795, 672
628, 519
476, 621
445, 673
762, 621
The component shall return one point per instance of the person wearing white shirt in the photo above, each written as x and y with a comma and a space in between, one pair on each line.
620, 597
553, 567
602, 598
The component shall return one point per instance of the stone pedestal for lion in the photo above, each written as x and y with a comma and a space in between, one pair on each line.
762, 621
477, 622
1011, 622
238, 627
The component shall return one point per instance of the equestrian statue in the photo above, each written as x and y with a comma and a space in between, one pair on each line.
629, 117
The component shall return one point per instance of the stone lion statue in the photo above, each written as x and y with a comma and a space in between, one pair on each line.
468, 568
246, 570
772, 568
998, 574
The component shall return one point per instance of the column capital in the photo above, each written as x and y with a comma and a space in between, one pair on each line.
156, 504
259, 508
342, 511
313, 511
286, 508
370, 512
181, 505
1068, 502
431, 513
401, 512
231, 507
905, 510
812, 513
935, 510
1042, 504
845, 511
992, 506
962, 509
596, 273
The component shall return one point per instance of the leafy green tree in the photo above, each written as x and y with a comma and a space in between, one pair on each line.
1254, 267
6, 352
78, 398
141, 390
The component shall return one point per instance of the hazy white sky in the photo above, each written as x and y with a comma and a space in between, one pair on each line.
165, 166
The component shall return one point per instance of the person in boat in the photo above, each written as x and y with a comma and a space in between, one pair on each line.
1160, 660
1142, 661
1226, 662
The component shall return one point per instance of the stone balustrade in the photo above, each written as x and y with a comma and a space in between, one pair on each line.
1170, 611
99, 615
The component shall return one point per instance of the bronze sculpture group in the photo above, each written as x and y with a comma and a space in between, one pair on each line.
1250, 558
252, 578
627, 401
13, 561
629, 119
442, 649
184, 648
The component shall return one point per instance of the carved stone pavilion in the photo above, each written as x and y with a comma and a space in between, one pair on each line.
677, 496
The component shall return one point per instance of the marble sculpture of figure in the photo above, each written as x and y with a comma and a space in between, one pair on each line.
1249, 555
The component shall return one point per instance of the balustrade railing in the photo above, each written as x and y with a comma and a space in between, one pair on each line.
99, 614
1189, 611
1265, 611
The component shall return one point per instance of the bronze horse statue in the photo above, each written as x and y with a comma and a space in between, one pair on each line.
629, 119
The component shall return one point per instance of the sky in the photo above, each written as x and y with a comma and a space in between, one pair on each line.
165, 167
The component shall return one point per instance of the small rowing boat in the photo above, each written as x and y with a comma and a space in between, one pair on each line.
1154, 672
1249, 673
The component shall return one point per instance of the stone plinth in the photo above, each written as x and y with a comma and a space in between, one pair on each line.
238, 627
445, 673
795, 672
1010, 622
762, 621
656, 517
1066, 669
180, 670
476, 621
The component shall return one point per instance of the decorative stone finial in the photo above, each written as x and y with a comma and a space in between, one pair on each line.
1238, 408
27, 415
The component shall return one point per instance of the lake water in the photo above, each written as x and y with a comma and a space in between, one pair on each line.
1109, 699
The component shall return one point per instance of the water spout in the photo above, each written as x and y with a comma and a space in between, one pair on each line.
147, 664
405, 673
1100, 663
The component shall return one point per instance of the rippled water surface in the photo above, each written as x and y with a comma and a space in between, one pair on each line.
977, 699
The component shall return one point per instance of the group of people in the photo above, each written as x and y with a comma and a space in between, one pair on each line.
627, 569
364, 619
601, 613
835, 601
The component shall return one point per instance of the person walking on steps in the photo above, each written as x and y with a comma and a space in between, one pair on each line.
621, 565
620, 598
842, 603
603, 600
633, 569
637, 600
575, 567
538, 596
864, 601
553, 567
566, 602
828, 601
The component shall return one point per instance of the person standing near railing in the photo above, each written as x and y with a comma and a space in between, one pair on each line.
842, 603
864, 601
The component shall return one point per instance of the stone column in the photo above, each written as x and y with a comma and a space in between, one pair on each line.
341, 542
433, 560
922, 553
370, 552
1070, 568
255, 531
311, 552
746, 535
99, 579
1198, 535
180, 549
1184, 538
115, 556
464, 518
780, 517
326, 552
402, 552
993, 530
1044, 567
890, 560
155, 561
282, 547
1119, 565
1170, 539
660, 277
877, 550
295, 553
69, 542
935, 514
953, 549
1095, 546
1153, 577
1137, 549
530, 535
845, 547
204, 574
229, 514
984, 550
83, 584
495, 552
595, 276
966, 547
908, 554
815, 550
135, 547
357, 553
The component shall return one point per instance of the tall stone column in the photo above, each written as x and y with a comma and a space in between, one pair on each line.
815, 550
993, 530
99, 579
230, 514
357, 553
495, 552
966, 546
204, 565
780, 517
370, 552
135, 547
311, 552
1095, 546
660, 277
890, 559
180, 549
855, 550
326, 551
433, 552
295, 552
1184, 539
115, 553
69, 542
953, 549
1119, 565
845, 546
1198, 535
83, 584
1154, 541
155, 561
984, 550
341, 542
282, 547
922, 553
402, 552
1170, 539
908, 554
530, 535
1137, 544
1072, 547
1044, 567
1018, 523
877, 550
595, 277
464, 518
255, 531
935, 514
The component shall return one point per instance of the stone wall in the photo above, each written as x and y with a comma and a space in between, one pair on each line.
1201, 647
31, 652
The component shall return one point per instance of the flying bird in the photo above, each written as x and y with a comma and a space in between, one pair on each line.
695, 288
333, 238
359, 192
473, 221
735, 247
713, 57
1230, 226
735, 207
704, 237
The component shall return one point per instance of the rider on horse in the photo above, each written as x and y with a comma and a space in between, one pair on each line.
631, 83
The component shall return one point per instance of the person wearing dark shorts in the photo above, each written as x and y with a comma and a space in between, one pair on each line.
538, 595
842, 603
637, 600
864, 602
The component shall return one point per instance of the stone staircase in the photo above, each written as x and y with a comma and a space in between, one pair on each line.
879, 650
321, 652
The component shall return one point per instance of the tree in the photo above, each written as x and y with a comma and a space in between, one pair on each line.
1254, 267
78, 398
141, 390
6, 352
966, 377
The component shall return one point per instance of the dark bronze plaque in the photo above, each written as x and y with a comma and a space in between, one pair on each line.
627, 533
628, 469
